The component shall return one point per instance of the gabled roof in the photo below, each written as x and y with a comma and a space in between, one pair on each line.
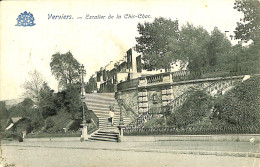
16, 119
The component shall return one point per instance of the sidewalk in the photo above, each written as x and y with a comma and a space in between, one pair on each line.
219, 148
151, 138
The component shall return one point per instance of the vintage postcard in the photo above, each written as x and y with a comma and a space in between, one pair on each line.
129, 83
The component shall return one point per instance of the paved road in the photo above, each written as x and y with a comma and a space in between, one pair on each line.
83, 154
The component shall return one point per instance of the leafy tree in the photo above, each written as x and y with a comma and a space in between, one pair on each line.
72, 101
27, 109
33, 86
154, 41
194, 46
27, 103
46, 104
91, 85
161, 43
3, 116
218, 48
249, 27
65, 68
3, 110
22, 109
69, 100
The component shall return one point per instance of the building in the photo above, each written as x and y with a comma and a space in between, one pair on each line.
127, 68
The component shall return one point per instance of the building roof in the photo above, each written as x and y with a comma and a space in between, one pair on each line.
16, 119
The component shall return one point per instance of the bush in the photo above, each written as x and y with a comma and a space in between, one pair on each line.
159, 122
194, 109
241, 105
49, 123
56, 123
9, 134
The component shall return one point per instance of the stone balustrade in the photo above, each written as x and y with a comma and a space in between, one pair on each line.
154, 79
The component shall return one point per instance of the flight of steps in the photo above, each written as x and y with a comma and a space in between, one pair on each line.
102, 135
213, 89
99, 103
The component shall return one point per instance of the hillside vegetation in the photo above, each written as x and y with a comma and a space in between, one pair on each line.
238, 107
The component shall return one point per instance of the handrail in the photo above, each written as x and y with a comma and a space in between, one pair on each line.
124, 107
145, 115
127, 107
216, 71
94, 122
93, 118
184, 75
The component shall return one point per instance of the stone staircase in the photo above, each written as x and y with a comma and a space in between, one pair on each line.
215, 89
102, 135
99, 103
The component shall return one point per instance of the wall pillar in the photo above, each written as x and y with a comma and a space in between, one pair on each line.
167, 95
84, 135
143, 101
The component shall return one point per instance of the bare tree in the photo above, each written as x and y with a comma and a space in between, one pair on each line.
33, 85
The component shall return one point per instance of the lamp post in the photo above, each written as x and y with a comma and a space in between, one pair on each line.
84, 134
121, 120
121, 126
120, 102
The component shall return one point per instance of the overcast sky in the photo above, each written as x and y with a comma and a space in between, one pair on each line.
93, 43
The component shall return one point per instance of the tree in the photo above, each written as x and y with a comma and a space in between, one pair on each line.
33, 86
65, 68
218, 48
91, 85
194, 46
26, 109
69, 100
46, 104
249, 27
3, 110
154, 41
72, 101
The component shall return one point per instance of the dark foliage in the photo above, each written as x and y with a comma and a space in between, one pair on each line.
193, 110
240, 106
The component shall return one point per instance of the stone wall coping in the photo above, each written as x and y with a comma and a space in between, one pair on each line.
188, 81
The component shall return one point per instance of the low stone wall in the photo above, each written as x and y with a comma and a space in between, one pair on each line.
229, 137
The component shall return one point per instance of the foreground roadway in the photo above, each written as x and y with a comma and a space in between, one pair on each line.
160, 153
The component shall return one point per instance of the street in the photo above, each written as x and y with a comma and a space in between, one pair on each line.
75, 153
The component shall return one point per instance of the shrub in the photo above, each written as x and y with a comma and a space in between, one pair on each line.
158, 122
241, 105
194, 109
49, 123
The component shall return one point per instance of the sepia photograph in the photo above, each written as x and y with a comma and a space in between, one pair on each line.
138, 83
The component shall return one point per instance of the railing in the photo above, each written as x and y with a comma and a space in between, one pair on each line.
139, 121
128, 110
241, 69
93, 118
154, 79
177, 102
215, 71
185, 75
173, 104
194, 130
